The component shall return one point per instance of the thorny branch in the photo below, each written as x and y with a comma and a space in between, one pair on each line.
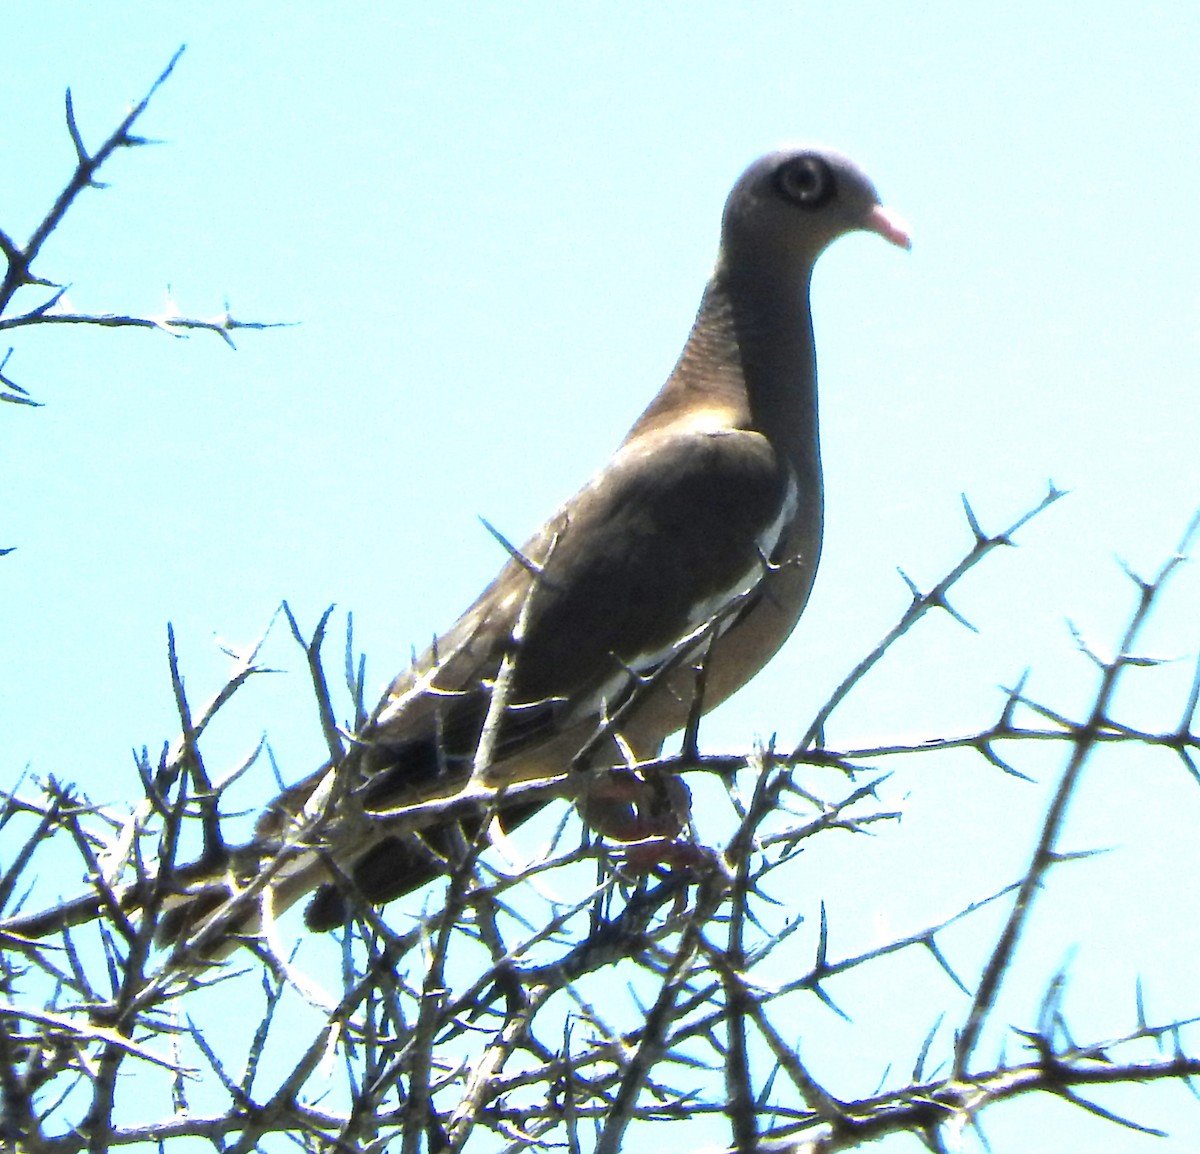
453, 1027
1083, 739
53, 309
491, 1005
921, 604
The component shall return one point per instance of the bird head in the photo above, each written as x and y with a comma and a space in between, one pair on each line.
792, 204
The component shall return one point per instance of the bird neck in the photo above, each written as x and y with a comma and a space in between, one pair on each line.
748, 364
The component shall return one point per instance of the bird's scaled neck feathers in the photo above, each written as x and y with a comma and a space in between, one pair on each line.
748, 364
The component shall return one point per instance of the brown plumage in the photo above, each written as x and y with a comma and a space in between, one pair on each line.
715, 493
709, 511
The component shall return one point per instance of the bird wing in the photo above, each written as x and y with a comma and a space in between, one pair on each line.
678, 524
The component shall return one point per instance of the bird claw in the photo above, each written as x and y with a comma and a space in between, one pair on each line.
687, 862
623, 805
653, 852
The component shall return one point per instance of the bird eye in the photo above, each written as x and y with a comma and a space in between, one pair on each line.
806, 181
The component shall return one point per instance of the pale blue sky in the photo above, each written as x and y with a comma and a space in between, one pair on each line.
492, 224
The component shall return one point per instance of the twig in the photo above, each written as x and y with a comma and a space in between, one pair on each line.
1044, 856
921, 604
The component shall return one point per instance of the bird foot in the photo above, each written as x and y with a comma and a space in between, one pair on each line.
623, 805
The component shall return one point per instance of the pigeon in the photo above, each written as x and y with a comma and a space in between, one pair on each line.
653, 594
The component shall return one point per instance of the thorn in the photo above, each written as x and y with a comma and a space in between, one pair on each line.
942, 603
1147, 662
15, 400
912, 585
526, 563
816, 989
919, 1065
940, 958
1190, 765
972, 520
1083, 646
81, 155
985, 748
1142, 584
1015, 695
1189, 534
48, 304
822, 940
1058, 857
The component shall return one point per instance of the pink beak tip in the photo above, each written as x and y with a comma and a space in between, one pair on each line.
890, 226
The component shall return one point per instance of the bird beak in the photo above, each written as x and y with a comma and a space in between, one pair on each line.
889, 225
